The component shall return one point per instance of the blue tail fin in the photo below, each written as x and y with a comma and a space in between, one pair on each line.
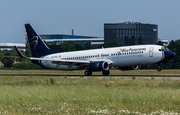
38, 47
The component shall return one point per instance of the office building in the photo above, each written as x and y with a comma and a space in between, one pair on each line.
131, 33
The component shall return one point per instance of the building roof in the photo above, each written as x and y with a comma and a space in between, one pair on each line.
127, 23
13, 44
10, 46
83, 39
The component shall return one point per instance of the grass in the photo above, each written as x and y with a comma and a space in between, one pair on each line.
37, 95
81, 72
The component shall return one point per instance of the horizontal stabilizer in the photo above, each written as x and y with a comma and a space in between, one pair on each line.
19, 53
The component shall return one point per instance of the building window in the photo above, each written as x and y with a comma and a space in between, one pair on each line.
137, 26
132, 41
140, 40
126, 41
117, 36
117, 31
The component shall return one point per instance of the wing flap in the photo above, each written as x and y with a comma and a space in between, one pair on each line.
55, 61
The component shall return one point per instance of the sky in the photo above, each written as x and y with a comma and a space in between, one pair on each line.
85, 17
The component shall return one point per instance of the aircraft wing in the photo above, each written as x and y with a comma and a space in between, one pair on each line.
70, 63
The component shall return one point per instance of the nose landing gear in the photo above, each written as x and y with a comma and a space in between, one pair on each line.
159, 69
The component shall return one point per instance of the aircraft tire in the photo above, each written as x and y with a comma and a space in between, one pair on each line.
88, 73
105, 73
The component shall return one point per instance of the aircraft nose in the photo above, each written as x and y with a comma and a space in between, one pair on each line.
170, 54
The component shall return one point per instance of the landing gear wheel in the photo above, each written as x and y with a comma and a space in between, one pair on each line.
105, 72
159, 69
88, 73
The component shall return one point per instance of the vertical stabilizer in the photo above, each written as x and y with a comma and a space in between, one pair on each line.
38, 47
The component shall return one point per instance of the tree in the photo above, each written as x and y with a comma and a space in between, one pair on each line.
8, 62
87, 46
28, 49
159, 43
68, 46
175, 62
79, 47
1, 55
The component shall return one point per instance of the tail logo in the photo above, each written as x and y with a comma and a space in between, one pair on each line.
34, 42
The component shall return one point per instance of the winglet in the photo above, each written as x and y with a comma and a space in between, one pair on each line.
20, 54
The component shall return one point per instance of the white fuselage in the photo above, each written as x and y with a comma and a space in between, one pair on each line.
117, 57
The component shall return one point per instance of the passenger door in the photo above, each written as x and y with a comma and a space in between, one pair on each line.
151, 51
47, 62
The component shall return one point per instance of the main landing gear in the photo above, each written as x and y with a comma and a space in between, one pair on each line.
89, 73
105, 72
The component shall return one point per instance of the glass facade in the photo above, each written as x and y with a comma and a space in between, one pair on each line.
131, 33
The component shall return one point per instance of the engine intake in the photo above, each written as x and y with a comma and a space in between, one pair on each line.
98, 66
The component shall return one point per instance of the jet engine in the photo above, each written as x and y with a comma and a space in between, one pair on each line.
128, 68
98, 66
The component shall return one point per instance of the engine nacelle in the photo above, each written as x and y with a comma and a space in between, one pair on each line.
128, 68
98, 66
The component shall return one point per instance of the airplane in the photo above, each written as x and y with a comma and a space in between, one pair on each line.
123, 58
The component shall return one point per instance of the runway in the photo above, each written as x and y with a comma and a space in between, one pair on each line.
117, 76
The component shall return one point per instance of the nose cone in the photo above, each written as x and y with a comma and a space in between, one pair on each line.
173, 54
169, 55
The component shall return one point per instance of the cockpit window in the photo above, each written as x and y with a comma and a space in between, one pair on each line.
164, 49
